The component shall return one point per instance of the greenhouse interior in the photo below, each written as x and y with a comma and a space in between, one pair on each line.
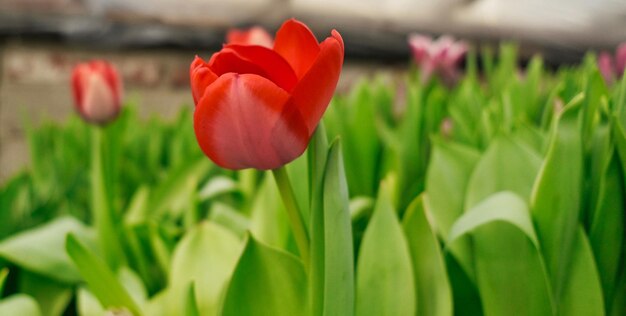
312, 157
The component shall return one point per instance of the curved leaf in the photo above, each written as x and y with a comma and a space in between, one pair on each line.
431, 278
384, 281
19, 304
555, 202
498, 225
266, 281
206, 257
42, 249
332, 274
100, 279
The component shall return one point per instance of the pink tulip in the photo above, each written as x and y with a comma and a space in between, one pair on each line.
441, 57
612, 67
97, 89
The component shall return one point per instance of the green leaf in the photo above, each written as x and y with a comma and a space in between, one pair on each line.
3, 278
206, 257
497, 225
191, 306
434, 295
606, 234
267, 281
447, 179
384, 277
99, 277
52, 296
19, 304
556, 197
506, 165
582, 293
446, 182
268, 222
41, 249
217, 186
229, 217
87, 304
332, 271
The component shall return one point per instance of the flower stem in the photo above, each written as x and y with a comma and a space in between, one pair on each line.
293, 212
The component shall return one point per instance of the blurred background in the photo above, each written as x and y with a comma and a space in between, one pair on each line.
152, 42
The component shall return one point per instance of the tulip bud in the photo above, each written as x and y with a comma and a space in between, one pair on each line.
97, 91
254, 36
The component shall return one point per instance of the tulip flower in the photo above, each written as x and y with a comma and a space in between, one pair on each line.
97, 89
439, 57
258, 107
254, 36
612, 67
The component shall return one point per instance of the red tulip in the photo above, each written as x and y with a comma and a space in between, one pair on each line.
256, 35
97, 91
258, 107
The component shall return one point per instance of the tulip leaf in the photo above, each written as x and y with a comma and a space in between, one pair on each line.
507, 165
216, 186
19, 304
384, 277
332, 272
206, 257
606, 234
266, 281
434, 295
3, 278
582, 292
229, 217
99, 277
446, 183
556, 197
269, 223
497, 225
87, 304
51, 295
191, 306
41, 249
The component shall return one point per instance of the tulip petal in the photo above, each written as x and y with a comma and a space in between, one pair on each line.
201, 77
110, 75
316, 88
99, 101
274, 65
253, 36
234, 121
297, 44
79, 72
227, 60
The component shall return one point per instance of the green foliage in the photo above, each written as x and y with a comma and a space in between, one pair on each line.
501, 195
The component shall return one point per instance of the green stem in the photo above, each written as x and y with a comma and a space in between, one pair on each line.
103, 217
294, 214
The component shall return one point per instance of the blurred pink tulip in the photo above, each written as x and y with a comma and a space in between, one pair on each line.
256, 35
612, 67
97, 89
440, 57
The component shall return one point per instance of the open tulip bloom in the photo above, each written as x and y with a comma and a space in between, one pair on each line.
441, 56
257, 107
